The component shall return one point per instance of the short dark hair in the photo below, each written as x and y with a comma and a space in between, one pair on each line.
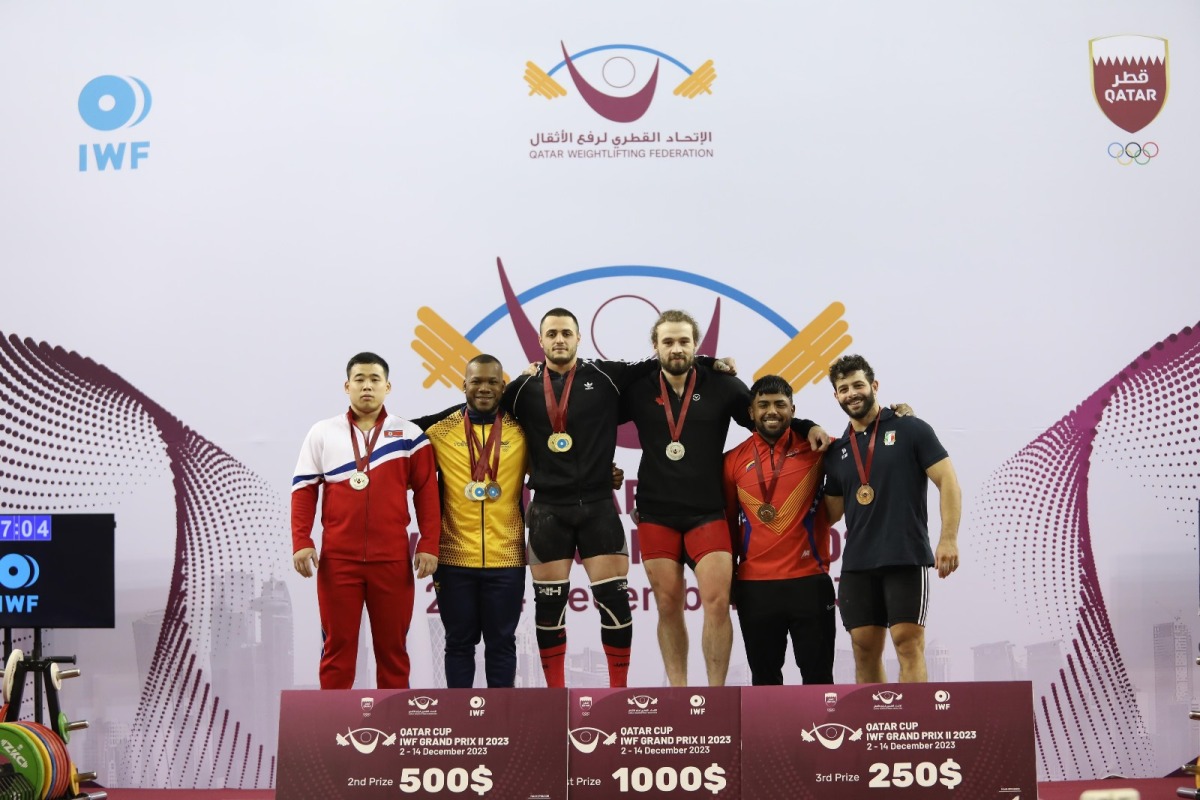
675, 315
847, 365
366, 357
484, 358
771, 384
557, 312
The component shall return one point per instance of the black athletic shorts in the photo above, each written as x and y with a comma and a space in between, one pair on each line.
884, 597
556, 532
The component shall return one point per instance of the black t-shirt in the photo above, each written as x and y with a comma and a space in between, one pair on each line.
893, 529
692, 485
583, 473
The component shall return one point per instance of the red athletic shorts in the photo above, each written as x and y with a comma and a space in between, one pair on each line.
683, 539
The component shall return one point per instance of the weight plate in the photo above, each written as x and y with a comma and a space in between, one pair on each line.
10, 672
23, 752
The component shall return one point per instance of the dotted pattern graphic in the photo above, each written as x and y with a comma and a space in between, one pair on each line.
76, 437
1032, 520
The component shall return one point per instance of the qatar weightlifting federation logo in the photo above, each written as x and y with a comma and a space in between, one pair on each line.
621, 68
365, 740
619, 83
802, 357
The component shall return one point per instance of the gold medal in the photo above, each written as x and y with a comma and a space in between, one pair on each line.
492, 490
476, 490
359, 480
560, 442
865, 495
675, 451
767, 513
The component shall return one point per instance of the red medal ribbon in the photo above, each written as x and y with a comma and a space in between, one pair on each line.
489, 454
555, 410
767, 491
864, 474
676, 430
361, 463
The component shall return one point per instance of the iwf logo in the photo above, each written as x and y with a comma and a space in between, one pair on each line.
18, 571
1130, 82
631, 72
109, 103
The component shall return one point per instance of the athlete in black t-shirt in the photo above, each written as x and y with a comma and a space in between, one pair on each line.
883, 462
682, 412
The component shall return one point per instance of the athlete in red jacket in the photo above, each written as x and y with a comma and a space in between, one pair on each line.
367, 461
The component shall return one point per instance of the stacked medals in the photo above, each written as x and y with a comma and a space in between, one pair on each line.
676, 450
560, 441
865, 493
766, 511
39, 767
485, 460
360, 478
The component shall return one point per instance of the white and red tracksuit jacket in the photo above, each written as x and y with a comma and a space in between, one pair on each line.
371, 524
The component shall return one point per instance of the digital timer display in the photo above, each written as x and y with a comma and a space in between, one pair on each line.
25, 528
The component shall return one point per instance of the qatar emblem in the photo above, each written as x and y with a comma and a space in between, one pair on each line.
1129, 78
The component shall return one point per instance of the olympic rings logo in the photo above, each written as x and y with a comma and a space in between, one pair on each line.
1133, 153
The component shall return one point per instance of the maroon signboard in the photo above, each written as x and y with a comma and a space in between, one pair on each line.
964, 741
500, 744
651, 743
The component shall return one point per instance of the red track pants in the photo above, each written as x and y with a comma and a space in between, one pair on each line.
343, 588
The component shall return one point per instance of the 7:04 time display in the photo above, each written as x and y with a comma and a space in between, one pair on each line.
25, 528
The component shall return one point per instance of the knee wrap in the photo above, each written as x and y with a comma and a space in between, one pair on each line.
550, 603
613, 602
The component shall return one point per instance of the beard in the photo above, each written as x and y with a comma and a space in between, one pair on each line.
560, 356
677, 366
772, 436
868, 403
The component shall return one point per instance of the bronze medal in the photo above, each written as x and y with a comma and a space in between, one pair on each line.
865, 493
767, 512
492, 490
359, 480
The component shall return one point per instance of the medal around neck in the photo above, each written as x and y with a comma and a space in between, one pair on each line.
560, 442
767, 512
359, 480
476, 490
676, 451
492, 490
865, 495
